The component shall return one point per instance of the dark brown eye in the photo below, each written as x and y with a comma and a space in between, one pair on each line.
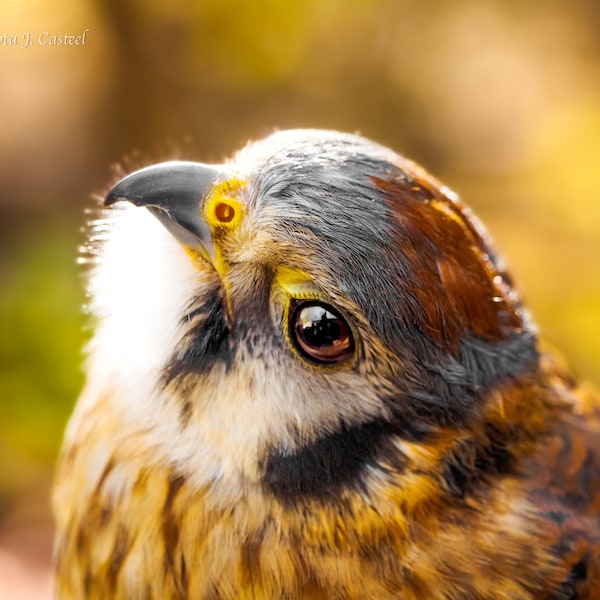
320, 333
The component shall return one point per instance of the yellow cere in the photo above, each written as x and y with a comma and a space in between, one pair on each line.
222, 208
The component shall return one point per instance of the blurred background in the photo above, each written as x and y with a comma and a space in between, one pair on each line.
498, 98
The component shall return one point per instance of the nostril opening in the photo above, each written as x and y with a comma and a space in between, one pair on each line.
225, 213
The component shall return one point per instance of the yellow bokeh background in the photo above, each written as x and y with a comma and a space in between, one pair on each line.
500, 99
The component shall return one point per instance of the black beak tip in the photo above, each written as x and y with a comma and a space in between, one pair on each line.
111, 198
121, 191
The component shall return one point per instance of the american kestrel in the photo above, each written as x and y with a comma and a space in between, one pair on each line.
312, 377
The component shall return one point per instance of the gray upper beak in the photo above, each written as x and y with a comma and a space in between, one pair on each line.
174, 192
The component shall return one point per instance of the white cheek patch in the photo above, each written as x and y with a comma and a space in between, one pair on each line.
139, 291
237, 415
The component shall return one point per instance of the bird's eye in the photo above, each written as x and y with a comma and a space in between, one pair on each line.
319, 332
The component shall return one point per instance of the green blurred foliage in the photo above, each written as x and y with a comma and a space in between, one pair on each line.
41, 334
500, 99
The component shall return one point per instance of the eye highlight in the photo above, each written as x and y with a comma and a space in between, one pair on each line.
319, 333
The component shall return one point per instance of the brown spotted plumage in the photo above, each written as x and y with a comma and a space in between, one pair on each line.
312, 378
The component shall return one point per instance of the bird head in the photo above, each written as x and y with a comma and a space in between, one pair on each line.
297, 319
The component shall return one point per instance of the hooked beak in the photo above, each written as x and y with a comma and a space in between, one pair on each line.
174, 192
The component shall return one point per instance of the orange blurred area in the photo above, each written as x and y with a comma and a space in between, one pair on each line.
499, 99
